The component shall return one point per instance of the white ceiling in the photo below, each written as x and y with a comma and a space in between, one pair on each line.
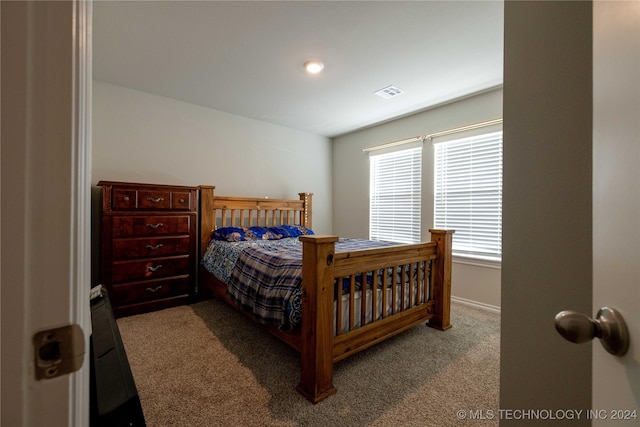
246, 57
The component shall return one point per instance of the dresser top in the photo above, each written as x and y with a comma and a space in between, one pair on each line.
142, 185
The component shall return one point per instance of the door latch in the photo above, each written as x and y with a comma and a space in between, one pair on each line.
58, 351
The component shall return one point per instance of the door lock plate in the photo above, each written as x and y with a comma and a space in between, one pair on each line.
58, 351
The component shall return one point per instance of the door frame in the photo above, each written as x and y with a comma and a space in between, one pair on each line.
46, 212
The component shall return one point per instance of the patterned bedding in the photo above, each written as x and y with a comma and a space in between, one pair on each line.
264, 277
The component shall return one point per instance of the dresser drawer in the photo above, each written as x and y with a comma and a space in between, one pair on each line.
137, 292
124, 226
180, 200
128, 271
128, 199
124, 199
150, 247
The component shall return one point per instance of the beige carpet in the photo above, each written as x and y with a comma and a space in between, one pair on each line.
207, 365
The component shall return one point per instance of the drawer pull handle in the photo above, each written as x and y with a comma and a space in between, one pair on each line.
154, 290
153, 248
126, 198
181, 200
155, 199
154, 269
155, 225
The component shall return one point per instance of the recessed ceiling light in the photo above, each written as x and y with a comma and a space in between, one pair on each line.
313, 66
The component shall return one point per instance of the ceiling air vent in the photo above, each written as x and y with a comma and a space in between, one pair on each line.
389, 92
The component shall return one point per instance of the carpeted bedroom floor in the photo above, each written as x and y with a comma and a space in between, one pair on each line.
207, 365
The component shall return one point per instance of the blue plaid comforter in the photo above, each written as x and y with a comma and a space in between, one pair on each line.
265, 277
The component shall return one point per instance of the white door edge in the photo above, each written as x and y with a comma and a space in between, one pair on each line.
81, 206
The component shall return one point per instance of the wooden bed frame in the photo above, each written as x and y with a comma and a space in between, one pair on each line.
320, 346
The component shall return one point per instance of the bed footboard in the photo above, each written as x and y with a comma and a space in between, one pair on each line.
403, 286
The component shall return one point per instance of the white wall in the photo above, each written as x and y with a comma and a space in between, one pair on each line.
140, 137
351, 181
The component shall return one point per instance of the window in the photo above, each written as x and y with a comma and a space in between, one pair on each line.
468, 194
394, 213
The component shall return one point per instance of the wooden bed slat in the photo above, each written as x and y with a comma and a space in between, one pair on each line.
363, 300
352, 301
394, 290
374, 294
385, 284
338, 307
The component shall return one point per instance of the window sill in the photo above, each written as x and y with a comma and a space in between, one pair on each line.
477, 262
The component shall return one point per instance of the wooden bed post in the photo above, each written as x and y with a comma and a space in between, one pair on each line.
305, 215
442, 279
207, 221
316, 349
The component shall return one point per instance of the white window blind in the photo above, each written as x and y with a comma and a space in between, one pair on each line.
468, 194
394, 213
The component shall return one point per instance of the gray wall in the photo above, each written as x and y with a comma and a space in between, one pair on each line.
140, 137
546, 264
351, 181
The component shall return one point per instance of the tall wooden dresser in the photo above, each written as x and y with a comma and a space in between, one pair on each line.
148, 255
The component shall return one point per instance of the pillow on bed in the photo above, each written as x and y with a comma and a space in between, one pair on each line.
240, 234
291, 230
230, 234
300, 229
263, 233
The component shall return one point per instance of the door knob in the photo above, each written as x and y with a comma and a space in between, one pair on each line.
608, 325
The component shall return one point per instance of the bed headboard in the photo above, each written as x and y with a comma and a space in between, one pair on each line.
225, 211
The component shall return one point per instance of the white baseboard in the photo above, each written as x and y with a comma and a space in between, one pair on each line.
476, 304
